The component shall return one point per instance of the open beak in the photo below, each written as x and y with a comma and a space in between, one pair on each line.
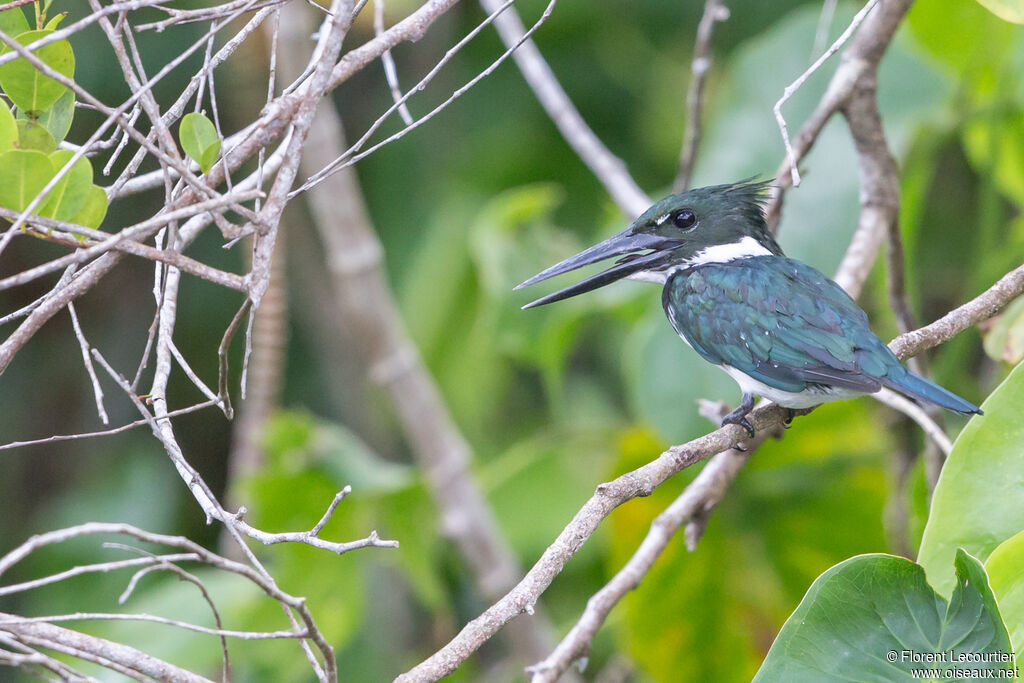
624, 244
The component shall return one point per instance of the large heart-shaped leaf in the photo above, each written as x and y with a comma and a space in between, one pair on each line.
13, 21
27, 87
199, 140
23, 174
979, 500
875, 618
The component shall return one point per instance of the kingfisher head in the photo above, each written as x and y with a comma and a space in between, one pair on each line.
703, 225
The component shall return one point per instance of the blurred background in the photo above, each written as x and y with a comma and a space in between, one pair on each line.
551, 401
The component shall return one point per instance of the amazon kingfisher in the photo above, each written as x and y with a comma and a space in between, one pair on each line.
779, 327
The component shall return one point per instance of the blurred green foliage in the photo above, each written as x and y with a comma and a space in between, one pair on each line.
554, 400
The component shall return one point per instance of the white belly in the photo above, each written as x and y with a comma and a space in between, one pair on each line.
787, 399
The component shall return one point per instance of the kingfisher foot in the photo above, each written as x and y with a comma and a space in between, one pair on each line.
790, 414
739, 416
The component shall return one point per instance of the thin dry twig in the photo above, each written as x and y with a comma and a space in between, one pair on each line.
802, 78
390, 72
83, 344
352, 154
609, 170
714, 12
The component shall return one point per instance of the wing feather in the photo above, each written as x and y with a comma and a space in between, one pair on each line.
779, 321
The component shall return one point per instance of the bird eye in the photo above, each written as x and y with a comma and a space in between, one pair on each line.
684, 219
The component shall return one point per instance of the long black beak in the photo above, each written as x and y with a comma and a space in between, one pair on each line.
624, 243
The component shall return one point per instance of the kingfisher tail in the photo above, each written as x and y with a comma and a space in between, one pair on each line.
918, 387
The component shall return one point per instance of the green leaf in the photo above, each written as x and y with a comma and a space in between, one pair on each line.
1010, 10
990, 39
68, 197
23, 174
979, 500
995, 145
1005, 339
32, 135
94, 210
1005, 567
869, 618
13, 22
53, 23
57, 119
8, 128
27, 87
199, 140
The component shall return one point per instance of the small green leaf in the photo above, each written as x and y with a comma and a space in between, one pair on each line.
199, 140
68, 197
32, 135
13, 22
27, 87
52, 24
1005, 567
8, 128
57, 119
1005, 339
210, 156
23, 174
1008, 10
94, 210
869, 618
979, 500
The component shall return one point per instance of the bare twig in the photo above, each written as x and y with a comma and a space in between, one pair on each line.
714, 11
607, 168
351, 156
859, 60
106, 653
162, 564
390, 73
102, 567
916, 413
795, 85
83, 344
106, 432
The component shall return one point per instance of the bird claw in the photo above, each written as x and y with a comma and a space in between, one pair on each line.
740, 420
790, 414
739, 416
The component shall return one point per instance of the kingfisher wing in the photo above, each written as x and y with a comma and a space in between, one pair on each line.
780, 321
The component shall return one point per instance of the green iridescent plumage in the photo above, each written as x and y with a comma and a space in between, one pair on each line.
779, 321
